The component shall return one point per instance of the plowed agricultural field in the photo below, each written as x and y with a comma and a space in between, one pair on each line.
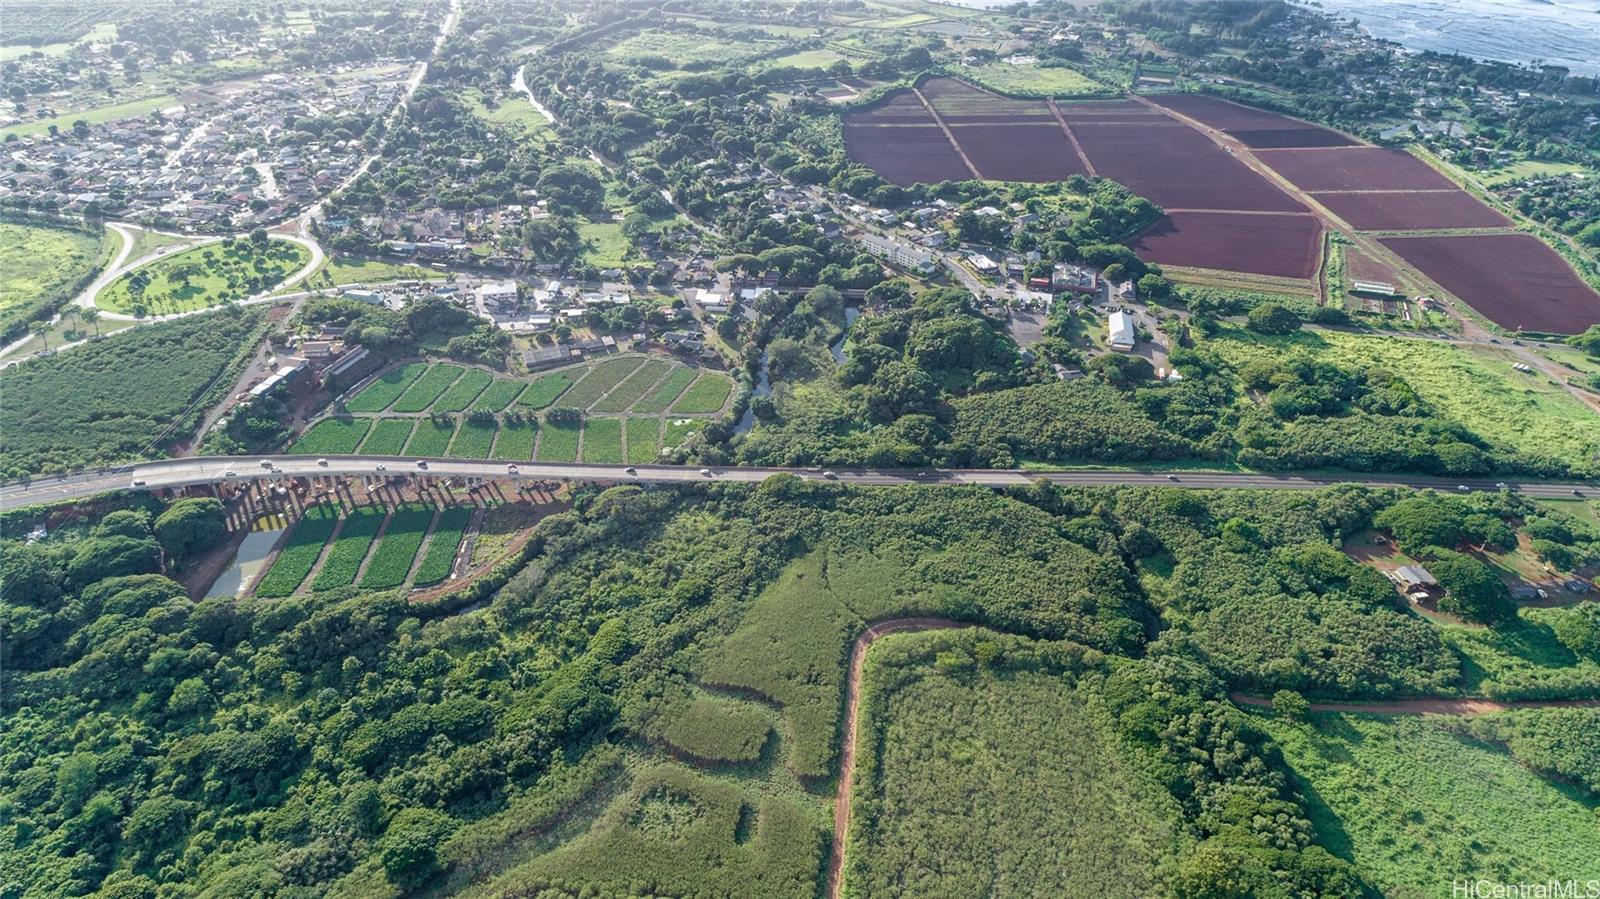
1255, 128
958, 102
1278, 245
1016, 152
905, 154
1512, 279
1177, 167
1412, 210
1354, 168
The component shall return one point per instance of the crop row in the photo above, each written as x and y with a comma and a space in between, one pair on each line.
299, 555
442, 546
339, 569
378, 395
391, 561
601, 378
427, 388
707, 395
633, 387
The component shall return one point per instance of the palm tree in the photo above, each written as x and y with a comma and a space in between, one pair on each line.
41, 330
67, 314
91, 316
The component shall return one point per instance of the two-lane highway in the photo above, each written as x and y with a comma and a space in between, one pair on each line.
173, 473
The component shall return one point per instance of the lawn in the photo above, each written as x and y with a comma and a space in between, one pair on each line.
473, 439
545, 389
378, 395
40, 263
558, 442
429, 387
1043, 81
679, 430
332, 436
387, 437
463, 392
644, 440
447, 532
633, 387
1417, 807
432, 437
662, 395
602, 441
391, 561
299, 553
352, 270
602, 377
605, 245
1473, 386
204, 276
514, 111
515, 443
343, 563
497, 396
709, 394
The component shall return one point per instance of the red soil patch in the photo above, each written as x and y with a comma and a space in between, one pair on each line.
1285, 246
1176, 166
905, 155
1361, 267
1253, 127
1513, 279
897, 109
1019, 152
1354, 168
1412, 210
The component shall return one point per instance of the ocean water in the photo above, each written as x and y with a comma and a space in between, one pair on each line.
1554, 32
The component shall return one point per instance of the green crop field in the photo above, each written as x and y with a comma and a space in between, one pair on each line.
473, 440
662, 395
633, 386
299, 553
343, 563
680, 429
1045, 81
1473, 386
969, 774
463, 392
432, 437
717, 729
558, 442
203, 276
335, 436
602, 441
709, 394
545, 389
441, 552
428, 388
381, 393
388, 437
644, 440
602, 377
1417, 807
497, 396
391, 561
515, 443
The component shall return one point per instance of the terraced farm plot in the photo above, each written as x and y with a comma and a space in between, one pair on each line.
343, 563
545, 390
473, 440
498, 396
644, 440
442, 545
602, 441
515, 443
428, 388
708, 394
463, 392
391, 561
558, 441
678, 430
299, 553
332, 436
431, 438
381, 393
633, 387
661, 396
388, 437
601, 377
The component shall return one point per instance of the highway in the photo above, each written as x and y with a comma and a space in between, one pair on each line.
168, 473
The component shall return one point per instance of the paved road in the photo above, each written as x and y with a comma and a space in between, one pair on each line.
211, 469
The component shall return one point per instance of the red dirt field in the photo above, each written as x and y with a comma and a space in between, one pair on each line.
1412, 210
1253, 127
1361, 267
1284, 246
1176, 166
897, 109
906, 154
1512, 279
1353, 168
1019, 152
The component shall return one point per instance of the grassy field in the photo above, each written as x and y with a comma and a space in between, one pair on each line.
353, 270
335, 436
299, 553
428, 388
546, 389
1417, 807
441, 552
497, 396
202, 277
1524, 168
1474, 386
709, 394
717, 729
95, 116
1038, 80
431, 438
462, 393
662, 395
677, 430
388, 437
602, 376
343, 563
381, 393
678, 49
36, 261
804, 59
1522, 659
558, 442
633, 387
515, 443
974, 780
391, 561
644, 440
473, 440
602, 441
606, 247
512, 111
